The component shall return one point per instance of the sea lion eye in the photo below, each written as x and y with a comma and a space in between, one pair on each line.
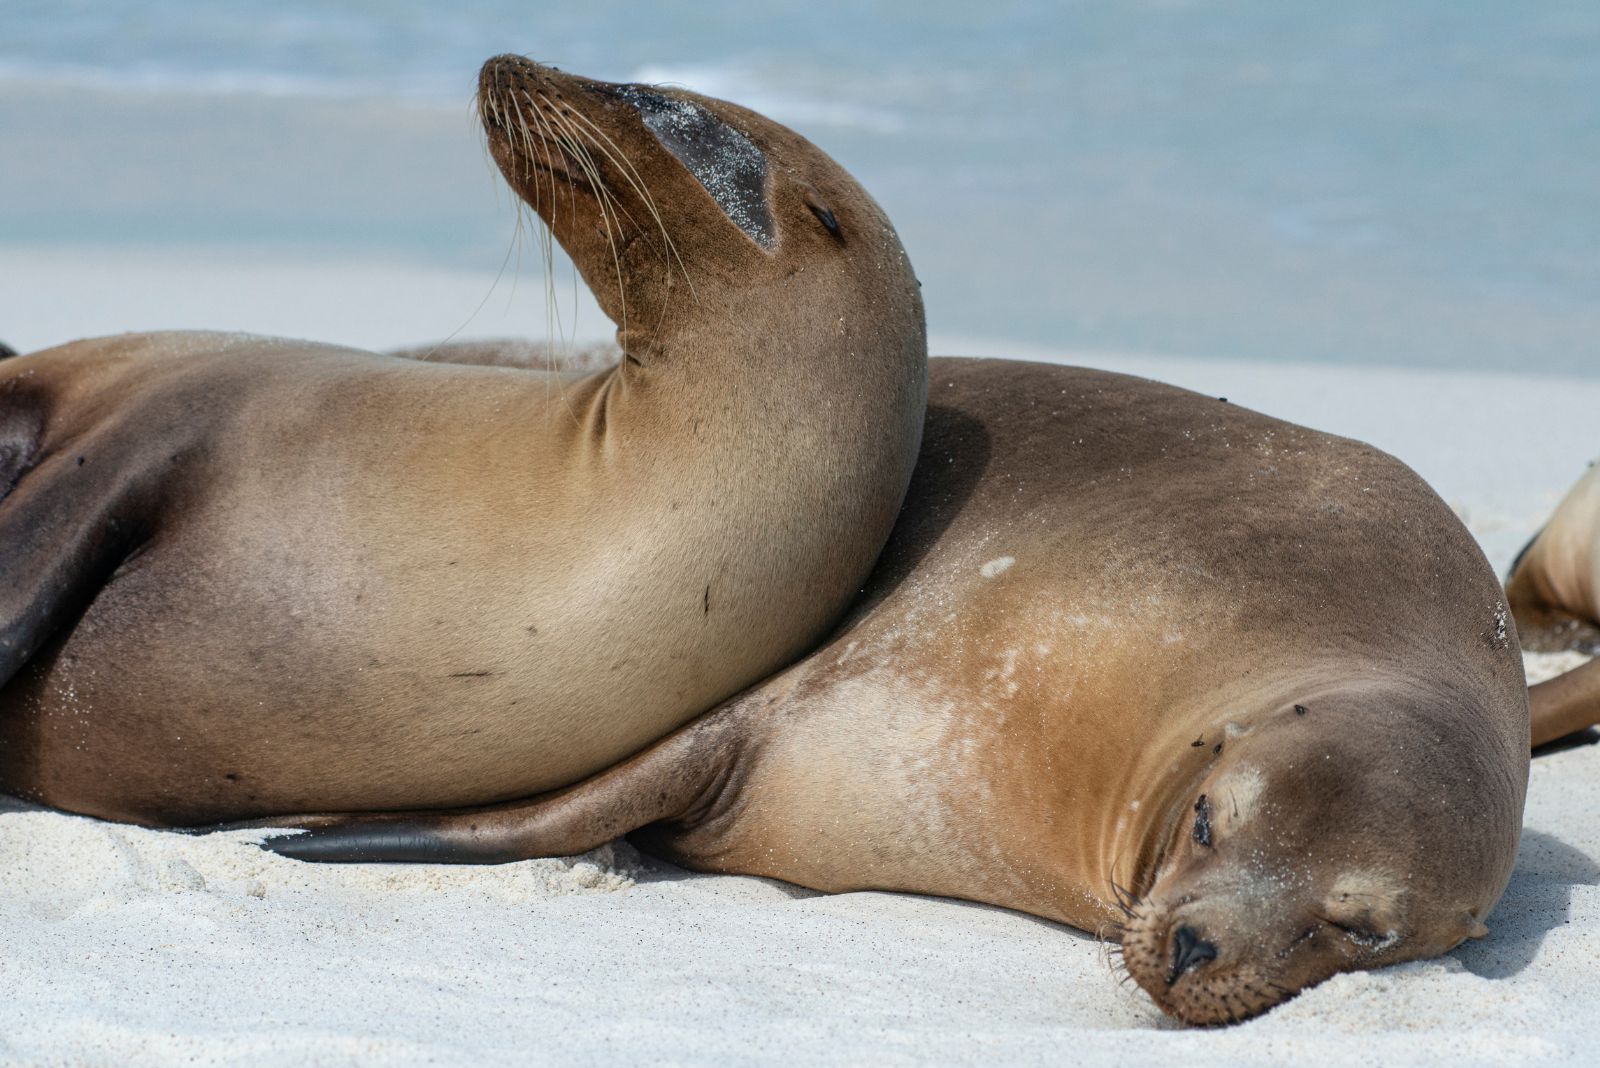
1364, 936
1202, 821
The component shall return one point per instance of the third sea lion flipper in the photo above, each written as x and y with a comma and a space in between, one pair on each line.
676, 778
1565, 704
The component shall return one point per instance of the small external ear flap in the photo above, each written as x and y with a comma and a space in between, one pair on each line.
1474, 927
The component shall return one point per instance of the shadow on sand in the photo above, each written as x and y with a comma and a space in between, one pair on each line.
1536, 902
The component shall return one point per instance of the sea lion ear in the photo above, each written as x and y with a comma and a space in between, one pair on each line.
1472, 927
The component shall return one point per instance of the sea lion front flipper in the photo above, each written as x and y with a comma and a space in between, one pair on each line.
1565, 704
70, 519
678, 778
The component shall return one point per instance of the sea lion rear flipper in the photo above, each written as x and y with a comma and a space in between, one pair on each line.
679, 777
1565, 704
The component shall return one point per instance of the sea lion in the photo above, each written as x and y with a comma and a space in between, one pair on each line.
1138, 660
243, 576
1554, 593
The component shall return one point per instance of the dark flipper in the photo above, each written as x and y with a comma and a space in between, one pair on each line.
70, 518
1565, 704
6, 351
678, 778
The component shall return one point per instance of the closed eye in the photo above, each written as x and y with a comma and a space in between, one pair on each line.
1363, 935
827, 219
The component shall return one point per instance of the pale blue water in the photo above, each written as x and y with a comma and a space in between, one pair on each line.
1401, 182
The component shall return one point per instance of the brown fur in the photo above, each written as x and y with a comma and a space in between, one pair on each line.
1554, 592
1104, 599
242, 576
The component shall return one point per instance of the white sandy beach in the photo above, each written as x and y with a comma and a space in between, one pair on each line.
124, 946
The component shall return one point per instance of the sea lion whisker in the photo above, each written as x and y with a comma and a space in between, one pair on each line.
546, 141
584, 140
631, 174
505, 261
606, 201
521, 131
543, 142
626, 168
511, 247
1127, 902
532, 148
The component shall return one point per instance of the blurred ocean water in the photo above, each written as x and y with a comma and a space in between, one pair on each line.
1405, 182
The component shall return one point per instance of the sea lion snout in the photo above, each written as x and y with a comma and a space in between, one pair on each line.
1200, 964
1226, 948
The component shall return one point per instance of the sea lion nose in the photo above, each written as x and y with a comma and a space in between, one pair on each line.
1189, 951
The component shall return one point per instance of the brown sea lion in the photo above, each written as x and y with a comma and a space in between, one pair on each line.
243, 576
1237, 692
1554, 593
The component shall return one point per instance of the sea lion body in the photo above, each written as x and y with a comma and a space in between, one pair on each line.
1554, 593
1115, 618
246, 576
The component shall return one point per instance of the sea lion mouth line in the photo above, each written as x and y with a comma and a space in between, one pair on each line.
538, 142
563, 174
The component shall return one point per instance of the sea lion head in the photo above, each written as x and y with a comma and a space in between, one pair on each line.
689, 217
1344, 831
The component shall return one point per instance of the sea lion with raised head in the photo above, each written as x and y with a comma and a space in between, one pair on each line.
243, 577
1554, 593
1135, 659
